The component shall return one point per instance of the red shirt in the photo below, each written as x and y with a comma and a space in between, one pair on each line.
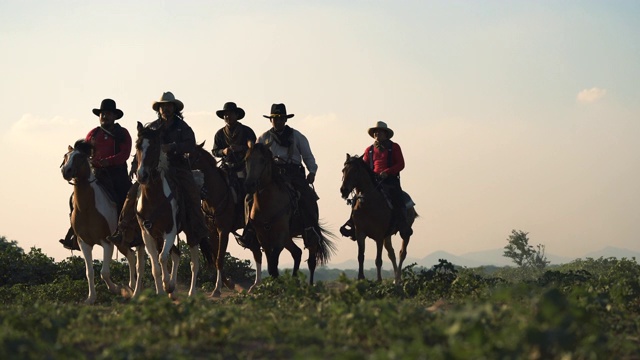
381, 161
104, 147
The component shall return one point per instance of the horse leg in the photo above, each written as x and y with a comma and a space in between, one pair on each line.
257, 258
296, 254
105, 272
88, 262
195, 267
221, 252
152, 250
379, 259
312, 261
168, 282
360, 237
392, 256
403, 256
132, 261
140, 270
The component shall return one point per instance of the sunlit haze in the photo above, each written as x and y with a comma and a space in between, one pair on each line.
511, 114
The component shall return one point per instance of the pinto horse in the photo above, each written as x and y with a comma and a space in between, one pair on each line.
272, 213
94, 217
157, 212
372, 215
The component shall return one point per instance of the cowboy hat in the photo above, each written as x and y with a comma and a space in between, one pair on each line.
108, 105
381, 125
167, 97
278, 110
230, 106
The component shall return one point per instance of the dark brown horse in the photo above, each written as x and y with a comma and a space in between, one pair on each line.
157, 212
371, 215
224, 211
94, 217
273, 210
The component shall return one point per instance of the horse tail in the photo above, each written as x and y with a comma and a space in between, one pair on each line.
326, 246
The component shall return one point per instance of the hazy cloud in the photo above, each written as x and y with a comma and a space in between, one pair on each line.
594, 94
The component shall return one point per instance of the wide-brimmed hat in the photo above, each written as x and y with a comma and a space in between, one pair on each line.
167, 97
381, 125
108, 105
278, 110
230, 106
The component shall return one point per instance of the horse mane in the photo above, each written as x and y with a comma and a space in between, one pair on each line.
83, 146
264, 149
357, 160
148, 132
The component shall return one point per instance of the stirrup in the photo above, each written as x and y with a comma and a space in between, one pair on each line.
347, 230
70, 243
248, 238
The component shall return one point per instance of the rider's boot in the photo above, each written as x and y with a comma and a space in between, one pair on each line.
248, 238
70, 241
347, 230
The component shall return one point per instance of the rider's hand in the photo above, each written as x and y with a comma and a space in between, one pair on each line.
311, 177
383, 175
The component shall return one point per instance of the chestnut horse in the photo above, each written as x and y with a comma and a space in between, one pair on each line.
272, 213
157, 212
224, 214
94, 217
372, 215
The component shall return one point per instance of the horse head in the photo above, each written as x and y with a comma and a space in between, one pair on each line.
259, 162
75, 164
149, 154
350, 175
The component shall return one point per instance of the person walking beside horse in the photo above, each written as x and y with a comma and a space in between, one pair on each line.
111, 145
178, 141
290, 148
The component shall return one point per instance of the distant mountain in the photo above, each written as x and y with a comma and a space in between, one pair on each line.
615, 252
492, 257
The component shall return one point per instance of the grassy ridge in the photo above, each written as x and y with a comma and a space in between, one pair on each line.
584, 310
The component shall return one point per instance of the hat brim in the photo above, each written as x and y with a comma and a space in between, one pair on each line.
119, 113
389, 131
240, 112
288, 116
179, 105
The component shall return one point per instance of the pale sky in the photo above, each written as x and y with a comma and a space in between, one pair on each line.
511, 114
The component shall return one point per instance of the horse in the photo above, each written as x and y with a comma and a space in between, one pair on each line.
372, 215
157, 212
224, 212
94, 217
272, 214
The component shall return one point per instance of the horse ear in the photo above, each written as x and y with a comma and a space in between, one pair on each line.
202, 144
140, 126
249, 144
70, 149
348, 156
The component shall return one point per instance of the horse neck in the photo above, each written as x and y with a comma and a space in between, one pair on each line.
84, 192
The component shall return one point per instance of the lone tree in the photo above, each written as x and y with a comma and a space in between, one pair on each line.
523, 254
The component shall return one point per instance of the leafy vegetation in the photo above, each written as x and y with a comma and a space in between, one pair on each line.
587, 309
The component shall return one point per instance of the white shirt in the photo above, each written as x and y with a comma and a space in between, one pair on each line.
298, 152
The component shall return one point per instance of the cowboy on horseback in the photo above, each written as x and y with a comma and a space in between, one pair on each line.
385, 158
178, 141
111, 148
290, 149
231, 144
